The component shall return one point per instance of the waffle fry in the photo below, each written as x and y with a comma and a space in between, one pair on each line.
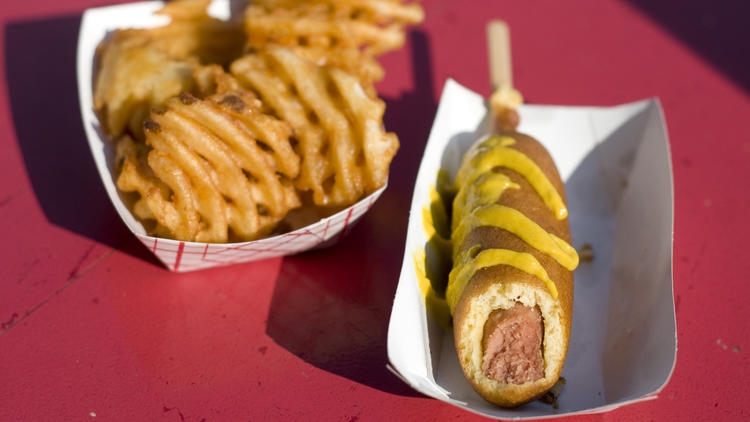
211, 156
344, 33
142, 68
133, 79
345, 151
219, 169
136, 176
193, 33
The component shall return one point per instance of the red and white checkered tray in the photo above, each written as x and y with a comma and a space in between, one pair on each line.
177, 255
189, 256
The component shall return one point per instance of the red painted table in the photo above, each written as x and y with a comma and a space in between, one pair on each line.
92, 326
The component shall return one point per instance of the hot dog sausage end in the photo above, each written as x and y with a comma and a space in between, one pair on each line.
512, 345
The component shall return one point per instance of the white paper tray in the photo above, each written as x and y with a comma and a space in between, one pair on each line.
616, 165
176, 255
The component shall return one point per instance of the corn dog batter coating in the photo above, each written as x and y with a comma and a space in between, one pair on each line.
511, 287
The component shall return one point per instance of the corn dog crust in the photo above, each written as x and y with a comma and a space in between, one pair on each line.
502, 286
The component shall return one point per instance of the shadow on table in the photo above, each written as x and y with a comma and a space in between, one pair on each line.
716, 30
40, 59
332, 307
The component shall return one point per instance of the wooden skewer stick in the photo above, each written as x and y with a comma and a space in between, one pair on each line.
504, 100
498, 44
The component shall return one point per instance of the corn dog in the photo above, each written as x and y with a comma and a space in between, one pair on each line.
511, 287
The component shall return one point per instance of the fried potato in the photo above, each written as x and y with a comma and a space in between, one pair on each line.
211, 156
344, 33
133, 78
345, 151
193, 33
220, 169
378, 11
165, 197
142, 68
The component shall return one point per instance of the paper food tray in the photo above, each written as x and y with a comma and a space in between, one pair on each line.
177, 255
616, 166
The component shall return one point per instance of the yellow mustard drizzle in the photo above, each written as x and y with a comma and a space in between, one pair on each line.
435, 305
479, 188
515, 222
438, 246
435, 218
446, 189
494, 152
461, 274
432, 262
485, 189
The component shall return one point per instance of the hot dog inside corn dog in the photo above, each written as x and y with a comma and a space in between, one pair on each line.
511, 287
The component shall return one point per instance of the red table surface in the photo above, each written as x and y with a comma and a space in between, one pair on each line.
93, 327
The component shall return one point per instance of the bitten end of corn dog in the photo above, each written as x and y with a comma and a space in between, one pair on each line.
505, 375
